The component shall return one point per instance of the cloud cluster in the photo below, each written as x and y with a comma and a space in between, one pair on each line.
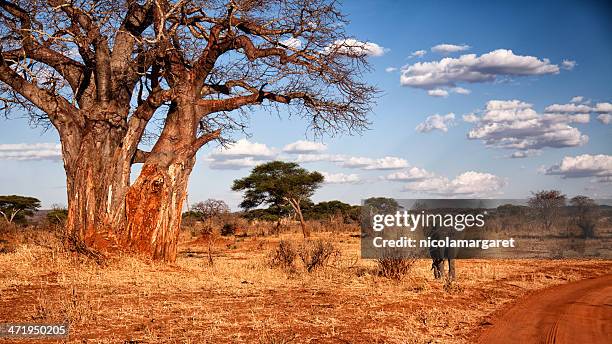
577, 106
340, 178
471, 68
443, 93
243, 153
386, 163
468, 184
568, 64
583, 166
436, 122
605, 118
513, 124
449, 48
409, 175
353, 47
30, 151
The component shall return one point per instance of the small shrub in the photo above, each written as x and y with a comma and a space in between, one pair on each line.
228, 229
395, 267
317, 254
284, 256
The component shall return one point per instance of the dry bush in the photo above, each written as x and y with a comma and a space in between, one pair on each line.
284, 256
395, 268
317, 254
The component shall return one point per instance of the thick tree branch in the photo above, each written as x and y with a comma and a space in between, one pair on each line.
59, 110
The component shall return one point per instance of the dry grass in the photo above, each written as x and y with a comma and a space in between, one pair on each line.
242, 299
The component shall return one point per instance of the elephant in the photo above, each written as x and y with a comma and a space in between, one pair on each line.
440, 254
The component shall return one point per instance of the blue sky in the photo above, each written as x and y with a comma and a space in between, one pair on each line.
439, 160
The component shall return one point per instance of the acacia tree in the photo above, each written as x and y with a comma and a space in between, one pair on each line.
16, 208
279, 183
108, 74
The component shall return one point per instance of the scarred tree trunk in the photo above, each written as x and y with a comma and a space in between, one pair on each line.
108, 214
97, 176
153, 208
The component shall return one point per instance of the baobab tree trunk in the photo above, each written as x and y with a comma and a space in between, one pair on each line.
154, 207
97, 181
106, 213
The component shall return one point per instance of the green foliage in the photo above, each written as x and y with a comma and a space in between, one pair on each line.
327, 210
382, 205
276, 182
16, 208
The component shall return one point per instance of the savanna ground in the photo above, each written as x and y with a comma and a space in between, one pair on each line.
242, 298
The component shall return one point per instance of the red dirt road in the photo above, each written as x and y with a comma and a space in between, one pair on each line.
579, 312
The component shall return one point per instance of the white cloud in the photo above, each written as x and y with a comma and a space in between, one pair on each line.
340, 178
471, 68
356, 162
436, 122
438, 92
449, 48
353, 47
241, 154
244, 148
304, 147
30, 151
461, 90
234, 164
603, 107
390, 69
469, 183
385, 163
412, 174
582, 166
470, 118
568, 64
292, 42
388, 163
515, 125
568, 108
577, 99
605, 118
418, 53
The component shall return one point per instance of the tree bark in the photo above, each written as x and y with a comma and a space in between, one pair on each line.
154, 205
105, 213
97, 182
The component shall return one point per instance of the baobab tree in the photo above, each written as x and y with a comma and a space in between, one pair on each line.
109, 74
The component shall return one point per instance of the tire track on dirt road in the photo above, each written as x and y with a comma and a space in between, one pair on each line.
577, 312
